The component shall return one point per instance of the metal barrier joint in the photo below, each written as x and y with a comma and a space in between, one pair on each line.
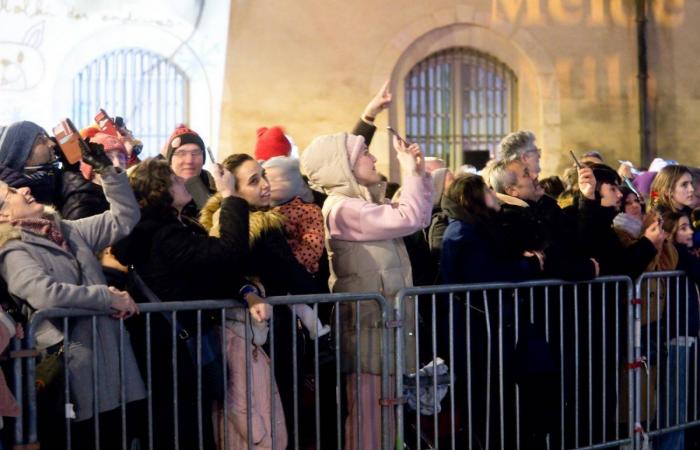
393, 324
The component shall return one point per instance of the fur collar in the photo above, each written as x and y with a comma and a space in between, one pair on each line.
259, 221
8, 232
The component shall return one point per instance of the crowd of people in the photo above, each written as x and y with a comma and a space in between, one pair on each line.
251, 227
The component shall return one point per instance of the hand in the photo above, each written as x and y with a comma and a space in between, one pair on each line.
538, 254
625, 171
379, 103
225, 181
596, 267
656, 234
259, 310
122, 303
410, 158
586, 182
94, 155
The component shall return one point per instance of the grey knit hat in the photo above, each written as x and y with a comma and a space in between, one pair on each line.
16, 143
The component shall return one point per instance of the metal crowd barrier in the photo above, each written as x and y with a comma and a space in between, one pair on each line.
666, 358
545, 364
299, 418
531, 365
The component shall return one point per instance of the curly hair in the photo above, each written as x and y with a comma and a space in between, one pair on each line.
514, 145
151, 181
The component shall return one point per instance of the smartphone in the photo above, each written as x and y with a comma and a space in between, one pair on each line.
211, 155
573, 156
398, 136
69, 141
106, 123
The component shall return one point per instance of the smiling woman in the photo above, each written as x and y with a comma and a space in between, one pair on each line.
50, 263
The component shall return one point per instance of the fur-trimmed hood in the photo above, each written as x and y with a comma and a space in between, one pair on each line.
260, 221
9, 232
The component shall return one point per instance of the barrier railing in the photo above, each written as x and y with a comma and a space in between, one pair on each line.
177, 416
544, 364
666, 320
531, 365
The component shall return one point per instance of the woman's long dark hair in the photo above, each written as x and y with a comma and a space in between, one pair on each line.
468, 191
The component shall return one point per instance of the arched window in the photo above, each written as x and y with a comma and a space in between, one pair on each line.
144, 88
459, 104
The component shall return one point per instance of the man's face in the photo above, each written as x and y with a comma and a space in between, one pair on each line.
610, 195
531, 158
187, 161
525, 187
42, 152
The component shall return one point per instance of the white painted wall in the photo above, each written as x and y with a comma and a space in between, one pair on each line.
43, 44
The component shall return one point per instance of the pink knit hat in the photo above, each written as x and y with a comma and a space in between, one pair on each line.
354, 145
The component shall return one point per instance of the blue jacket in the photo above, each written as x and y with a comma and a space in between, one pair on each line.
471, 255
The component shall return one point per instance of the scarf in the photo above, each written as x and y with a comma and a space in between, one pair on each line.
46, 228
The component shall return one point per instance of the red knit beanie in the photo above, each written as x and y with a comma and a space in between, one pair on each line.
181, 136
271, 142
110, 144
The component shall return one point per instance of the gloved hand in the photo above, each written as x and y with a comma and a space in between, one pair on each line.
94, 155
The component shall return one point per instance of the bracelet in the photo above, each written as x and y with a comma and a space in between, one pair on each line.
367, 118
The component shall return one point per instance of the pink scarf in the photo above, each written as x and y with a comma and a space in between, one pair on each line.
44, 228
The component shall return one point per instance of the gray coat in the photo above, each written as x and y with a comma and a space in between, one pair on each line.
47, 276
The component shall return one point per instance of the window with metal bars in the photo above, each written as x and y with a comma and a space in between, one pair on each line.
144, 88
459, 104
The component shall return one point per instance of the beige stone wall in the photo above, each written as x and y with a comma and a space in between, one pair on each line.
311, 65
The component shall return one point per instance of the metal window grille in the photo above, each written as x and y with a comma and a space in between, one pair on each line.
144, 88
457, 101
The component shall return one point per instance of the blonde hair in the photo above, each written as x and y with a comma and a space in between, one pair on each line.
661, 191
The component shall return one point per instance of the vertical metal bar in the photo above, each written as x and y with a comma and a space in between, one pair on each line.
500, 367
452, 372
173, 341
149, 381
122, 383
516, 307
470, 406
66, 383
687, 350
338, 385
590, 366
488, 368
649, 303
658, 344
225, 380
295, 378
200, 425
95, 385
605, 357
630, 345
435, 384
358, 404
562, 372
678, 353
249, 381
273, 384
418, 380
317, 386
576, 366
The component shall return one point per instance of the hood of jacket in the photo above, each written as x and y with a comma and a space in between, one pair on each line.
260, 222
326, 164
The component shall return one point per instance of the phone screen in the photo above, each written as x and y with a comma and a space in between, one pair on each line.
398, 136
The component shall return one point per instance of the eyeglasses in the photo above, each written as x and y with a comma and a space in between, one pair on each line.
196, 153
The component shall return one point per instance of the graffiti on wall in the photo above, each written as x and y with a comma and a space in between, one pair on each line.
21, 63
594, 13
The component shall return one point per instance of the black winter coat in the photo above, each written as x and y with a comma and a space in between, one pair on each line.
81, 198
597, 239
